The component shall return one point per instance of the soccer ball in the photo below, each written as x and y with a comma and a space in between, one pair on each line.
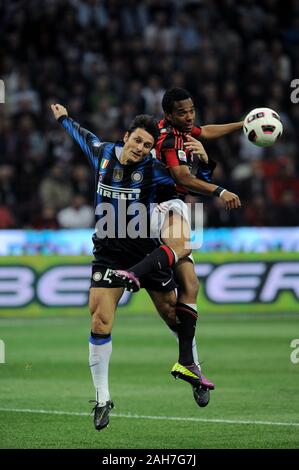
262, 127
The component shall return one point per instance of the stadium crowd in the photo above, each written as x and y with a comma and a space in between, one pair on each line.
108, 60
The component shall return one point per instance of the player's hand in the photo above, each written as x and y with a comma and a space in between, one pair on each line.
197, 148
59, 110
231, 200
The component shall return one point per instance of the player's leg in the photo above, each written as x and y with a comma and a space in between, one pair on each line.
174, 230
102, 305
188, 286
165, 303
175, 233
186, 311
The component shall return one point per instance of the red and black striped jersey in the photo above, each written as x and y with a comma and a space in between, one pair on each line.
170, 147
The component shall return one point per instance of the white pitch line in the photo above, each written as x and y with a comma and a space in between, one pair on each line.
166, 418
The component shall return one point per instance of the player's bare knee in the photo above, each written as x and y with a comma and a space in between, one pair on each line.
185, 252
180, 250
188, 291
101, 324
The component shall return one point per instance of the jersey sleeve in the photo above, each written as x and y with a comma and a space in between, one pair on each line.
88, 141
196, 132
172, 151
163, 183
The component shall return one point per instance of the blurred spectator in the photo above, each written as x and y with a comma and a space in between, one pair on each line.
7, 185
107, 61
77, 215
160, 33
56, 189
82, 181
45, 219
286, 213
153, 94
257, 213
7, 219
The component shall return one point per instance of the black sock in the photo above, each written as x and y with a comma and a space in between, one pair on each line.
173, 328
159, 259
186, 331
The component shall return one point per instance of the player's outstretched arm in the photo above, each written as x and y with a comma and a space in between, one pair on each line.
88, 141
213, 131
182, 176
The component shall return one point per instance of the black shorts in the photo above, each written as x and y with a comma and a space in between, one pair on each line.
122, 254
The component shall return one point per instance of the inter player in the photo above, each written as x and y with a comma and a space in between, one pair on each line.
124, 173
178, 149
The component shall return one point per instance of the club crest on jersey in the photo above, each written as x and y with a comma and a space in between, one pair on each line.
97, 276
118, 174
182, 155
137, 176
104, 163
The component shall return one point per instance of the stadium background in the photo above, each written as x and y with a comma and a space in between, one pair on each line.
107, 61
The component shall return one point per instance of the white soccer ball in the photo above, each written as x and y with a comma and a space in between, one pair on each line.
262, 127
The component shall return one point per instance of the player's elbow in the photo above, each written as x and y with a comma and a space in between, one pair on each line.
188, 181
206, 133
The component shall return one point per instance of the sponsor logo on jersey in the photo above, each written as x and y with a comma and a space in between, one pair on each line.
118, 174
182, 155
137, 176
118, 193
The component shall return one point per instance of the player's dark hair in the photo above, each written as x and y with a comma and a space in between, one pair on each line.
172, 95
146, 122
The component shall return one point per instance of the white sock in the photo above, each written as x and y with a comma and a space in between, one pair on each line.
99, 357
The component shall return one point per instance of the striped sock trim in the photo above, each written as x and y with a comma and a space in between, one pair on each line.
185, 308
170, 254
194, 306
100, 341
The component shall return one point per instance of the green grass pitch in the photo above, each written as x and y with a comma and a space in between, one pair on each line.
255, 404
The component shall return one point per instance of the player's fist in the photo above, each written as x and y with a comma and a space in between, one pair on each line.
59, 110
231, 200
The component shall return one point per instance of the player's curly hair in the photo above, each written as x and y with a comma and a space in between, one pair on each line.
172, 95
146, 122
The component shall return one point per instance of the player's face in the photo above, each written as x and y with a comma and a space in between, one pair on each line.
137, 145
182, 116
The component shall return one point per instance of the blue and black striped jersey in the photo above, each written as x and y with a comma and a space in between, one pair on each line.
125, 188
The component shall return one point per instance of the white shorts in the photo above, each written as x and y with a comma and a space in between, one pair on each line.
160, 212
